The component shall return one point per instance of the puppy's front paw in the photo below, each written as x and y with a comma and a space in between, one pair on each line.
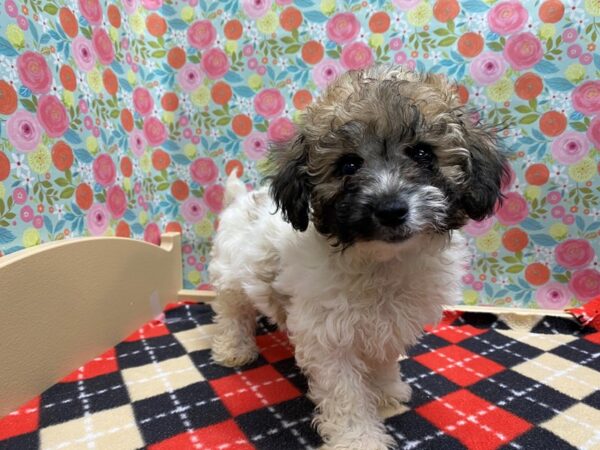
233, 353
393, 394
371, 440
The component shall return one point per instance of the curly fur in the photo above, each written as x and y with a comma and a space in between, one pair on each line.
351, 313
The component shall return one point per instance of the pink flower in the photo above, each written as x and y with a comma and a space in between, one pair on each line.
152, 234
593, 131
201, 34
269, 103
343, 28
396, 44
152, 5
83, 53
514, 209
255, 145
585, 284
103, 46
204, 171
142, 101
34, 72
507, 17
326, 72
523, 51
104, 170
400, 58
281, 129
116, 202
190, 77
570, 147
19, 196
38, 222
215, 63
129, 5
574, 51
586, 97
570, 35
487, 68
553, 295
91, 10
52, 115
26, 214
193, 210
479, 228
155, 131
23, 131
558, 211
356, 56
213, 197
248, 50
97, 219
405, 5
137, 142
255, 9
11, 8
574, 253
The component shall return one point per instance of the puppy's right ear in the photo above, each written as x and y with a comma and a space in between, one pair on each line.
290, 187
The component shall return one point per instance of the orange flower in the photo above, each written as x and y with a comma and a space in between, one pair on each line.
156, 25
553, 123
68, 78
111, 84
537, 174
233, 30
290, 18
551, 11
8, 98
463, 94
221, 93
241, 125
68, 22
84, 196
515, 240
537, 274
127, 119
302, 99
160, 159
234, 164
180, 190
114, 16
173, 227
379, 22
312, 52
126, 166
470, 44
446, 10
4, 166
170, 101
528, 86
62, 156
122, 230
176, 57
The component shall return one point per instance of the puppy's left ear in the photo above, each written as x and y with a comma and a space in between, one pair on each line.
488, 168
290, 187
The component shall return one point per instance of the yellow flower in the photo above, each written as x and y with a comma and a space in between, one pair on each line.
92, 144
489, 242
201, 96
94, 79
204, 228
575, 73
558, 231
143, 218
583, 170
189, 150
470, 297
420, 15
68, 98
146, 162
501, 90
376, 40
532, 192
136, 23
592, 7
31, 237
168, 117
2, 191
297, 117
40, 159
15, 36
114, 34
268, 23
263, 166
231, 47
255, 81
187, 14
127, 183
194, 277
131, 77
547, 31
327, 7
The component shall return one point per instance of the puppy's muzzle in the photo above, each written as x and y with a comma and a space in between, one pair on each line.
392, 212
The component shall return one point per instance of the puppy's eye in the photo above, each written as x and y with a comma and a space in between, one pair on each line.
349, 165
422, 154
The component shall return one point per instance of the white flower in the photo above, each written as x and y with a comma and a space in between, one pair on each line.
59, 210
19, 166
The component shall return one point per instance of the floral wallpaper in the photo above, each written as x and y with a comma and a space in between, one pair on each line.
124, 117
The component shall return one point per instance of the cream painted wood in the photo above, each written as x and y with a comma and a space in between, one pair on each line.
65, 302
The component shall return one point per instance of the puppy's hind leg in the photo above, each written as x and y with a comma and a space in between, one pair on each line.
234, 342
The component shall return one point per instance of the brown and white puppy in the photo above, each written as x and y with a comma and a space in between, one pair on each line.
351, 247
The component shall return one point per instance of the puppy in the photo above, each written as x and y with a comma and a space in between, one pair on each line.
351, 248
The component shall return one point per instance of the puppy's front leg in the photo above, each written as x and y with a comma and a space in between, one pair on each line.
346, 405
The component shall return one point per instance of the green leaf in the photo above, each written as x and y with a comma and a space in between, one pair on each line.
523, 109
158, 53
529, 119
62, 182
579, 126
495, 46
51, 9
441, 32
223, 121
516, 268
162, 186
28, 105
292, 49
67, 192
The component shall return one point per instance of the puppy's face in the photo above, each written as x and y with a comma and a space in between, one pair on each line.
384, 155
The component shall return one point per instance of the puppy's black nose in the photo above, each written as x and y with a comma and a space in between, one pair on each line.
392, 213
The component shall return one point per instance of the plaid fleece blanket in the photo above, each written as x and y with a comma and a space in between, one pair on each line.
478, 384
